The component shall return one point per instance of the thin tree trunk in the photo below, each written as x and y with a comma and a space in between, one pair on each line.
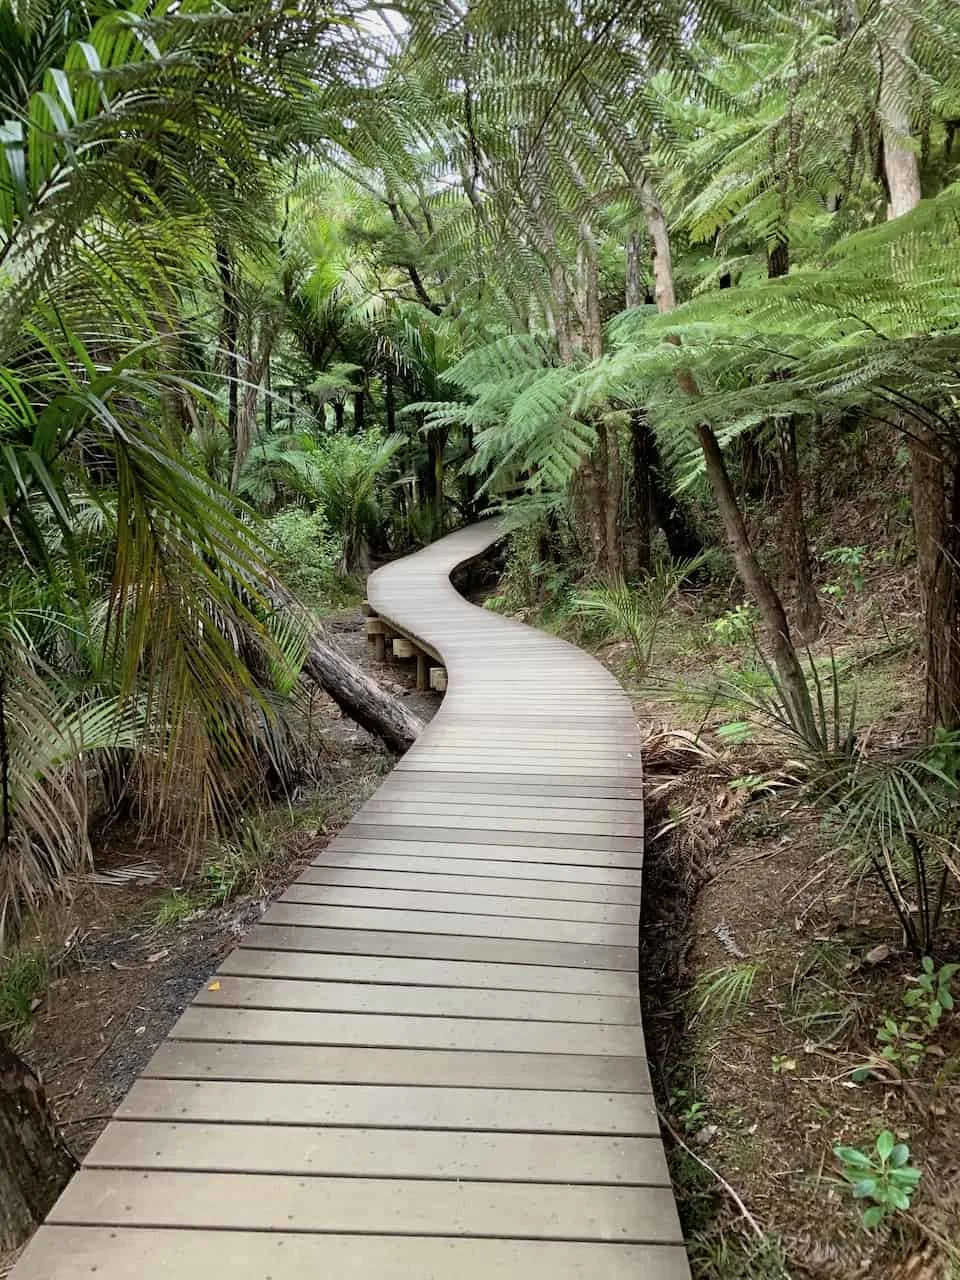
794, 521
640, 433
641, 441
601, 486
772, 612
651, 493
256, 367
35, 1165
358, 407
901, 168
793, 517
390, 401
338, 416
228, 334
794, 684
436, 444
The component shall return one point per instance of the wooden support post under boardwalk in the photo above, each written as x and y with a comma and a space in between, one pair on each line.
376, 631
423, 671
438, 679
426, 1059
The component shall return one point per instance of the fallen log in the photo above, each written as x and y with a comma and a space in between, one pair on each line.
357, 696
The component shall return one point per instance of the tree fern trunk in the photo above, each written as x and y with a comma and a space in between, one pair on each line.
34, 1163
642, 489
794, 525
934, 469
772, 613
793, 519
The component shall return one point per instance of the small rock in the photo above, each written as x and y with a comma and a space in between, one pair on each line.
705, 1135
877, 955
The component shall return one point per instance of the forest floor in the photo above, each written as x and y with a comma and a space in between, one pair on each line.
769, 965
103, 979
771, 962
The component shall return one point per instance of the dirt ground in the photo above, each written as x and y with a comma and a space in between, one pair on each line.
121, 979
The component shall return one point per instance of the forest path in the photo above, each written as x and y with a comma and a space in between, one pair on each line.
426, 1062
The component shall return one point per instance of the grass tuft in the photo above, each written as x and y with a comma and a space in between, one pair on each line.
22, 982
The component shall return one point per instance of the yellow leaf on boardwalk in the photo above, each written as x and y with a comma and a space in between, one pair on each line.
214, 986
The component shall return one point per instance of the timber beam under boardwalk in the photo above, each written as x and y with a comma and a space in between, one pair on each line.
426, 1061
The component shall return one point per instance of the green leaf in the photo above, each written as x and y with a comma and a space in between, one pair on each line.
851, 1156
865, 1189
885, 1144
899, 1155
873, 1216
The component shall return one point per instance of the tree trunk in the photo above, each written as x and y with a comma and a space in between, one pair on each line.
662, 257
390, 402
338, 416
436, 445
228, 334
901, 169
789, 670
934, 470
641, 439
358, 696
682, 539
640, 433
793, 518
794, 684
358, 406
35, 1165
936, 506
650, 490
794, 524
601, 475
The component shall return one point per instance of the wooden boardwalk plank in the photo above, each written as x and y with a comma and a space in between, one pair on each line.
437, 1002
494, 1035
250, 962
262, 1202
584, 1159
345, 1064
75, 1253
392, 1106
426, 1061
383, 942
482, 904
466, 882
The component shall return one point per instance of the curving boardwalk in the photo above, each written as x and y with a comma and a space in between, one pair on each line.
426, 1063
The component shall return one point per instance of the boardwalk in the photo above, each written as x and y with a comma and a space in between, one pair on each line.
426, 1063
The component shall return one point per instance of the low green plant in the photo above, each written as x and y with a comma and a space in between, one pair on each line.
850, 559
174, 908
902, 1043
634, 611
930, 993
237, 868
724, 993
883, 1176
734, 1257
690, 1111
735, 627
22, 982
904, 1040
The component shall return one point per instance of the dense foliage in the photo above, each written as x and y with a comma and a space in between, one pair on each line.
286, 291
